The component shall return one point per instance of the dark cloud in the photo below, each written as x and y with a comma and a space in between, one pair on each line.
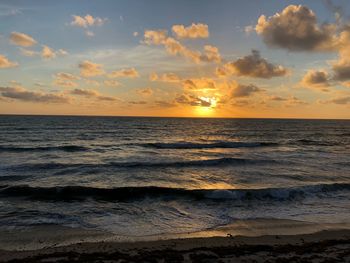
339, 101
84, 92
107, 98
245, 90
252, 66
296, 29
342, 71
316, 79
92, 94
192, 100
140, 102
164, 104
22, 94
277, 98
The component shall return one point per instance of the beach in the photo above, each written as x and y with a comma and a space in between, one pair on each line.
323, 246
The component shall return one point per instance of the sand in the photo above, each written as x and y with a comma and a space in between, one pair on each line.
332, 245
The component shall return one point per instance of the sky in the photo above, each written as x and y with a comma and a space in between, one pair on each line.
198, 58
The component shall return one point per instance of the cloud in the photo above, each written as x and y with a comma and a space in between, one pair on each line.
90, 69
21, 39
340, 101
89, 33
241, 90
111, 83
65, 80
164, 104
341, 67
249, 29
145, 92
277, 98
107, 98
28, 52
87, 21
6, 63
166, 77
92, 82
211, 54
175, 48
67, 76
294, 101
84, 92
19, 93
316, 79
124, 73
252, 66
139, 102
135, 34
192, 100
155, 37
62, 52
47, 52
296, 29
241, 103
199, 84
65, 83
193, 31
92, 94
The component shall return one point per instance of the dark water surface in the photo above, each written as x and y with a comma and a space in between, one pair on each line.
144, 176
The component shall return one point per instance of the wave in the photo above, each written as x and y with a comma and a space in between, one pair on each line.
221, 162
129, 194
65, 148
220, 144
316, 143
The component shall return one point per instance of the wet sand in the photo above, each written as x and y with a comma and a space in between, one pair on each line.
323, 246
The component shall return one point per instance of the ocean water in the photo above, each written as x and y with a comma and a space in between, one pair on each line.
150, 176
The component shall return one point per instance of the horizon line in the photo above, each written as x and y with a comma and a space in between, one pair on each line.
174, 117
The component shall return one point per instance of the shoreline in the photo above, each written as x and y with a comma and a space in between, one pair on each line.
249, 240
333, 245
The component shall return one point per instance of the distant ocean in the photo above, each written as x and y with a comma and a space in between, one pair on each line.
151, 176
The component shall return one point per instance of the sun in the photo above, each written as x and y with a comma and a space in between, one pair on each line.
209, 108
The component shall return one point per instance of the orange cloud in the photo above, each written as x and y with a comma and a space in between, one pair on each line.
193, 31
90, 69
318, 79
6, 63
124, 73
174, 47
145, 92
21, 39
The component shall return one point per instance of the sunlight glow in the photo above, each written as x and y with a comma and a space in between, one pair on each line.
205, 110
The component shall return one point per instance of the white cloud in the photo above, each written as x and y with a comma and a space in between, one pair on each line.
87, 21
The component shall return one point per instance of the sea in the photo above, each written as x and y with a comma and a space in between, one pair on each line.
140, 176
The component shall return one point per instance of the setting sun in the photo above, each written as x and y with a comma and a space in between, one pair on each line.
207, 108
